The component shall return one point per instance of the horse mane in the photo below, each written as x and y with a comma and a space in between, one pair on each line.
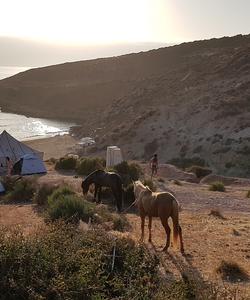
95, 172
145, 187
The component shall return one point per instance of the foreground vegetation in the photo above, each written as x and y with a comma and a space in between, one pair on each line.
60, 262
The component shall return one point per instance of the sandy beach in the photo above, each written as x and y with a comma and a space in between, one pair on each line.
56, 146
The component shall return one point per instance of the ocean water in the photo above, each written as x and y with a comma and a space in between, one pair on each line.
23, 128
10, 71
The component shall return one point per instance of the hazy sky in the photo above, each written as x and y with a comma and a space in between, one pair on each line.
114, 21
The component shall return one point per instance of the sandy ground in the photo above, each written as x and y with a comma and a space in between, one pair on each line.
56, 147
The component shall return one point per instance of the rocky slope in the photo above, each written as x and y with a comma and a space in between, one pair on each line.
186, 102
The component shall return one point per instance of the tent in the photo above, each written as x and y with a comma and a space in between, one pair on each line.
113, 156
2, 189
14, 149
29, 164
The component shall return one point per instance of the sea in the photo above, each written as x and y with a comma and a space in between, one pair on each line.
25, 128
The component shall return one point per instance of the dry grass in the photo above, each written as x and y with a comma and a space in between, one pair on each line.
217, 186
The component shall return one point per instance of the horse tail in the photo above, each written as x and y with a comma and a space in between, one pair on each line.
175, 219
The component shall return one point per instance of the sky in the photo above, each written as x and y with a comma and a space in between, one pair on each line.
90, 22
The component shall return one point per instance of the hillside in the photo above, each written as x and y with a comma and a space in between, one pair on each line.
185, 102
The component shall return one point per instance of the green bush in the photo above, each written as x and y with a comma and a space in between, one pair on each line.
66, 163
42, 193
199, 171
88, 165
128, 172
217, 186
70, 208
22, 190
62, 263
120, 223
64, 204
61, 192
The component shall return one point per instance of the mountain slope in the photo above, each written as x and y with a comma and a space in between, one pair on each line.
185, 102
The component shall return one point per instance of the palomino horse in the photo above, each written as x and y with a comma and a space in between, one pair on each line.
108, 179
162, 205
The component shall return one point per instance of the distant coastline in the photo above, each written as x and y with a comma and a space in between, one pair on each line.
25, 128
8, 71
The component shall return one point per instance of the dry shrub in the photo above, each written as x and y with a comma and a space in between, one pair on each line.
161, 180
217, 186
89, 164
121, 223
183, 163
128, 172
216, 213
42, 193
231, 271
61, 262
177, 182
199, 171
66, 163
22, 190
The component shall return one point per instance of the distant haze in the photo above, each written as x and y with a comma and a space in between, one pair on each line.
27, 53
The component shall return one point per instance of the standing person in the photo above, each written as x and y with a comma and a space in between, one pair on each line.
9, 165
154, 165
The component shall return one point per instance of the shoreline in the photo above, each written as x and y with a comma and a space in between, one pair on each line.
55, 146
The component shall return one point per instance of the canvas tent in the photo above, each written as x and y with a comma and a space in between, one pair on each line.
14, 149
2, 189
29, 164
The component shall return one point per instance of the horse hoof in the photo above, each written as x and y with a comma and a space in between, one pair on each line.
150, 240
182, 251
165, 249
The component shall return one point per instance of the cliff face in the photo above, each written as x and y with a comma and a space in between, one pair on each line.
183, 102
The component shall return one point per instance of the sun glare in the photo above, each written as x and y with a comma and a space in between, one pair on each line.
85, 21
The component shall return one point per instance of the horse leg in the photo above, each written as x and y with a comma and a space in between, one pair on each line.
181, 240
118, 198
142, 227
164, 223
149, 228
99, 194
96, 189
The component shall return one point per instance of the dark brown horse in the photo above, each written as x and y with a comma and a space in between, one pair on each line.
107, 179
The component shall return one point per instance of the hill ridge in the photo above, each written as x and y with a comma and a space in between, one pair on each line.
187, 102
